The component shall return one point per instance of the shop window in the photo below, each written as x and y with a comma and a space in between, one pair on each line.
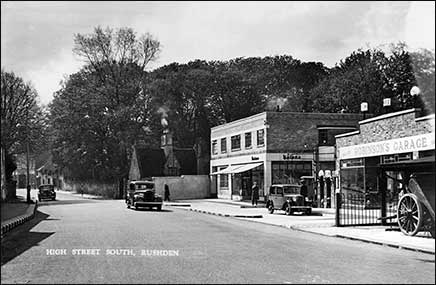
352, 175
214, 147
224, 181
284, 172
260, 137
235, 142
248, 140
352, 180
223, 145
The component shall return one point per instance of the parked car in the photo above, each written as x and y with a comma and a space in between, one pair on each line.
143, 194
46, 191
287, 197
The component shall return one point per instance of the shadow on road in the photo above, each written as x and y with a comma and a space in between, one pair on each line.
66, 202
152, 210
21, 238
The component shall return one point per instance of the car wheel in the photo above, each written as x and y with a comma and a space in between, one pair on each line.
309, 212
159, 208
271, 208
136, 206
288, 210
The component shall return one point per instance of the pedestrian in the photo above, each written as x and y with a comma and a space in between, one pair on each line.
167, 193
254, 193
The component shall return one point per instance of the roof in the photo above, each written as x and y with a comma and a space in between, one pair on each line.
150, 161
187, 160
48, 166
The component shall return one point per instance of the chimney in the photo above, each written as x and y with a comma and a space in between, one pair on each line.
167, 142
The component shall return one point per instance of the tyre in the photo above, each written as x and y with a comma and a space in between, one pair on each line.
159, 208
271, 208
288, 209
308, 212
136, 206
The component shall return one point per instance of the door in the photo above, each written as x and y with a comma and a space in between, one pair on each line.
278, 197
246, 187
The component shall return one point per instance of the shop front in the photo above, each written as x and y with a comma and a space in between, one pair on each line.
375, 164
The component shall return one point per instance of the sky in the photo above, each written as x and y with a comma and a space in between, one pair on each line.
37, 37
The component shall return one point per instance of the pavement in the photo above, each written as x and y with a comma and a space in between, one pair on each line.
15, 213
322, 222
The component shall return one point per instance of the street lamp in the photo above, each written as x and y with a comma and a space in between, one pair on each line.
27, 160
364, 108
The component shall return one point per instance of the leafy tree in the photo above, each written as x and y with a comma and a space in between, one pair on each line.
399, 76
103, 109
22, 119
423, 62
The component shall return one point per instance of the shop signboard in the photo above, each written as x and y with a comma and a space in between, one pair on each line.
401, 145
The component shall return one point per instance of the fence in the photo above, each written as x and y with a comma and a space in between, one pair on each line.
358, 209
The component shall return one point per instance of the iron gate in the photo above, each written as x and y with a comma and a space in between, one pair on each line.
359, 209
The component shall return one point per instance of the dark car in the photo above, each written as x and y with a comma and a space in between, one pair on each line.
46, 191
287, 197
143, 194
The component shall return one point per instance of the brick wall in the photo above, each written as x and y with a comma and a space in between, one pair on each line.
291, 131
397, 125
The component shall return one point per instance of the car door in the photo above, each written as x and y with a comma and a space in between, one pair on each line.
272, 193
279, 198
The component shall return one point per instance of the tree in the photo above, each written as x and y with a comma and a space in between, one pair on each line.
103, 109
22, 118
423, 62
399, 76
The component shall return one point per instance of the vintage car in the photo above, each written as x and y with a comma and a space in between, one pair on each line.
287, 197
46, 191
143, 194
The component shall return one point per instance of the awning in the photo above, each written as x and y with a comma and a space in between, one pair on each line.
237, 168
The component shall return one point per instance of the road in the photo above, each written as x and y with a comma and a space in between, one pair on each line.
187, 247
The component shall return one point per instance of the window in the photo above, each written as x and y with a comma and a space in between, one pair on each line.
223, 179
260, 137
214, 147
284, 172
353, 175
322, 137
223, 145
248, 140
236, 142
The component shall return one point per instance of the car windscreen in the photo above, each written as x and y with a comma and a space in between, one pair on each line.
45, 188
291, 190
144, 186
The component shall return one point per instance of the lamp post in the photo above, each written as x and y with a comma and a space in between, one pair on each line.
415, 92
364, 108
27, 165
26, 128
